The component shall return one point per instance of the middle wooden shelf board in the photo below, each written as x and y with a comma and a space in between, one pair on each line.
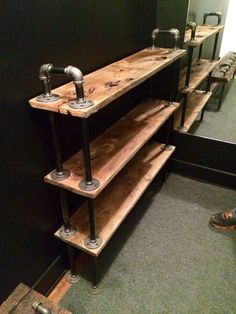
196, 102
114, 148
117, 200
199, 71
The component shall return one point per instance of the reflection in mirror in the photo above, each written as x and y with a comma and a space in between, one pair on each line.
220, 114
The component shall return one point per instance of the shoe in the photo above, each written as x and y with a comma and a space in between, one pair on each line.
224, 221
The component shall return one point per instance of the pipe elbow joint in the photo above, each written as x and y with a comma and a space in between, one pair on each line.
44, 71
175, 33
155, 32
75, 73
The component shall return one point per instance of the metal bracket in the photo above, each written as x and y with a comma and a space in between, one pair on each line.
72, 278
173, 32
67, 232
89, 186
60, 175
80, 104
48, 98
93, 244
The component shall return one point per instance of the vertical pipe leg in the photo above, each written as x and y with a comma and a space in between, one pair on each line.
67, 230
93, 241
167, 145
96, 287
59, 174
184, 106
215, 47
189, 65
207, 90
221, 96
200, 52
72, 276
88, 183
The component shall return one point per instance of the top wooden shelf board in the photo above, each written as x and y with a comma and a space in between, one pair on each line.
203, 32
107, 84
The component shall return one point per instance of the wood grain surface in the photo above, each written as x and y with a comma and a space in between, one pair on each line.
222, 72
116, 201
199, 71
107, 84
24, 298
196, 102
203, 32
113, 149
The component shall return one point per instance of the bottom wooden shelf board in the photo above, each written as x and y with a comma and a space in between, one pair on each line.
196, 102
117, 200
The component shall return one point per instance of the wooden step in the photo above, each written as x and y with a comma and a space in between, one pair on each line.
114, 148
117, 200
22, 299
199, 71
107, 84
196, 102
203, 32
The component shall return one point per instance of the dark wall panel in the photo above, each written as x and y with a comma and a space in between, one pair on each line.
88, 34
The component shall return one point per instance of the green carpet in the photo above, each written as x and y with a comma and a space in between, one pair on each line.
165, 258
219, 124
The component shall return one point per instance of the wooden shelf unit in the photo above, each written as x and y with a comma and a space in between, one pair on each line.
196, 72
117, 200
200, 69
196, 102
114, 148
203, 33
120, 159
107, 84
225, 76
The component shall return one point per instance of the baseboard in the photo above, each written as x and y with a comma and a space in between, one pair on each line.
202, 173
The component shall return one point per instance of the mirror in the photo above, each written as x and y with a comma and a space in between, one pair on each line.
220, 114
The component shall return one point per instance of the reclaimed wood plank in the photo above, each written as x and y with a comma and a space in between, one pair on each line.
115, 147
199, 71
107, 84
203, 32
196, 102
117, 200
22, 299
225, 69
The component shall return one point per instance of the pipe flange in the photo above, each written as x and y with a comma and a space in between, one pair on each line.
80, 104
60, 176
67, 233
93, 185
72, 278
95, 289
48, 98
93, 244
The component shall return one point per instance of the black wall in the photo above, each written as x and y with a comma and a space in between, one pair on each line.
88, 34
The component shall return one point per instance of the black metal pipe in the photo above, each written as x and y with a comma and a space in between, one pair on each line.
91, 220
189, 65
86, 152
79, 91
221, 96
173, 32
200, 52
193, 27
46, 87
72, 262
217, 14
208, 82
184, 104
215, 47
64, 210
94, 278
56, 143
57, 70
